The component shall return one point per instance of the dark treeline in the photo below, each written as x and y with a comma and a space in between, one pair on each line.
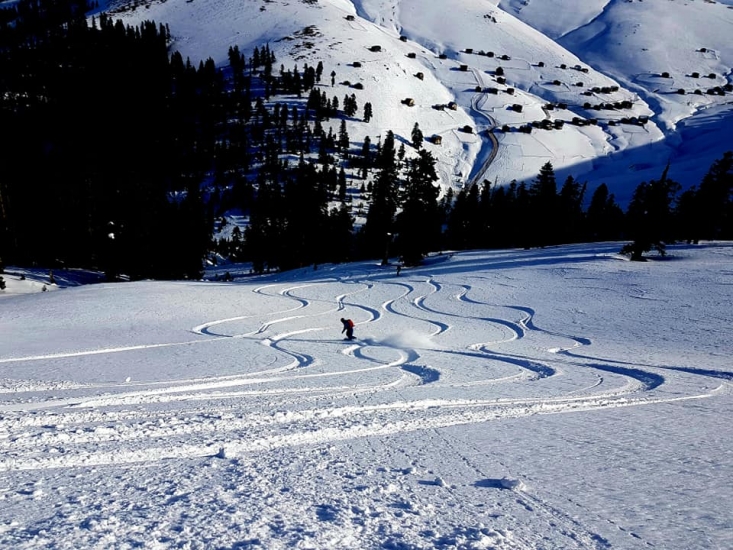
91, 145
540, 214
115, 155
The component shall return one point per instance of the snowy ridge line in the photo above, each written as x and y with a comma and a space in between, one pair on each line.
464, 413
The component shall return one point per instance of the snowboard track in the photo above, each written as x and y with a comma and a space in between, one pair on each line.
88, 421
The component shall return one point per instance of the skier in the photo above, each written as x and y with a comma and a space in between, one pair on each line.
348, 328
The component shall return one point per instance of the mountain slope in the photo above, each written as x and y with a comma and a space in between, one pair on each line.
616, 48
635, 43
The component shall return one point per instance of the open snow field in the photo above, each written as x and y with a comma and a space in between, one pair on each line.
550, 398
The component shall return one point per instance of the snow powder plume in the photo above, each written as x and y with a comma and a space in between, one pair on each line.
407, 340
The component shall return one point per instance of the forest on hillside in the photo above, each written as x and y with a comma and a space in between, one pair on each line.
119, 155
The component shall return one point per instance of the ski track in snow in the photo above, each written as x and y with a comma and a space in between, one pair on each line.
469, 413
85, 425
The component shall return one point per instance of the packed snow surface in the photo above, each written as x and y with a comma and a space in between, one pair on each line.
521, 399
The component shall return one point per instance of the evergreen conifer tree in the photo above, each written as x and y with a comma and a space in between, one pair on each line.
417, 136
605, 218
418, 225
384, 201
368, 111
649, 216
571, 217
543, 211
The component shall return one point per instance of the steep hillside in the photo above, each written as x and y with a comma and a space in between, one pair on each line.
577, 83
657, 49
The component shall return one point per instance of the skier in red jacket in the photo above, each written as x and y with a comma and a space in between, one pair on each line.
348, 328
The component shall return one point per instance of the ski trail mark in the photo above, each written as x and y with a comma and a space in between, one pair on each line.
528, 323
418, 304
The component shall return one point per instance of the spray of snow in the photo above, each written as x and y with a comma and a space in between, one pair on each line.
406, 340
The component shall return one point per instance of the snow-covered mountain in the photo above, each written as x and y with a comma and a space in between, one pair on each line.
559, 398
647, 82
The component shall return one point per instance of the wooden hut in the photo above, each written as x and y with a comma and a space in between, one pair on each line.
409, 102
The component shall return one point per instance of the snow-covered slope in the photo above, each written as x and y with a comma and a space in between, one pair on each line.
590, 56
636, 42
549, 398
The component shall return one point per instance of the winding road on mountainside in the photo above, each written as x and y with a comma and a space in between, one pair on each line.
478, 175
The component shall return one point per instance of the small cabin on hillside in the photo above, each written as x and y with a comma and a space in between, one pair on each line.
375, 48
409, 102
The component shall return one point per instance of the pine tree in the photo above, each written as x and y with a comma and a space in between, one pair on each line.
714, 201
319, 71
649, 216
465, 224
340, 236
366, 157
367, 111
571, 217
543, 210
342, 185
378, 228
343, 140
417, 136
604, 217
419, 223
